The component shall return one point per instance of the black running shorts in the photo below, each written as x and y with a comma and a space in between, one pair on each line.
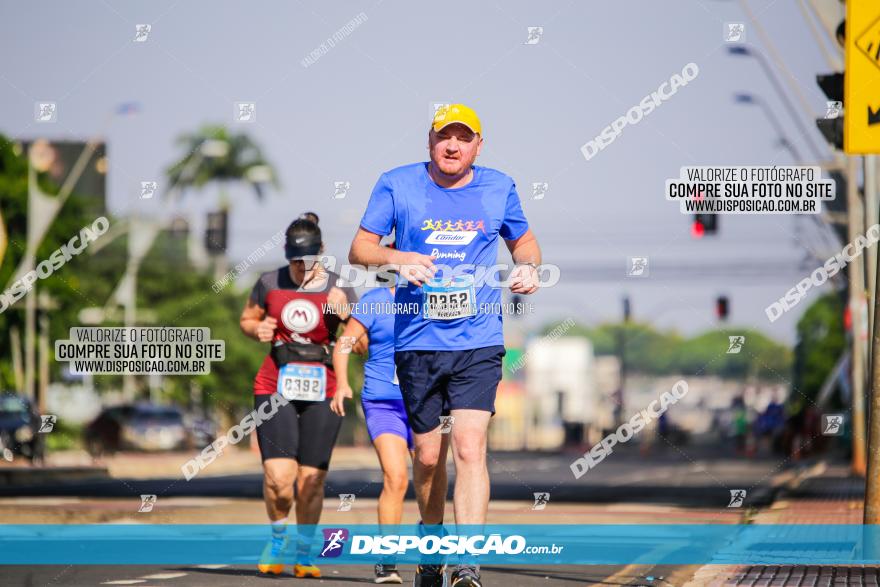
303, 431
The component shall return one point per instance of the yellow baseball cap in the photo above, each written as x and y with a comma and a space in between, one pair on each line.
456, 113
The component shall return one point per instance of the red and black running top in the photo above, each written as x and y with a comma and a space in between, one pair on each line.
302, 317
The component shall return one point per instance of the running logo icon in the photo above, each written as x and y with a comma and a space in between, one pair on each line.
436, 106
346, 500
734, 32
833, 109
535, 33
735, 344
737, 497
446, 423
47, 423
345, 344
141, 32
148, 189
147, 503
539, 190
542, 498
637, 267
245, 111
46, 112
832, 424
334, 541
340, 189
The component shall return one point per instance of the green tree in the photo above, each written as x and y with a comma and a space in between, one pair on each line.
86, 280
821, 340
653, 352
213, 154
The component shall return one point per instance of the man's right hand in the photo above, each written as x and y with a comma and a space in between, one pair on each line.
266, 329
416, 268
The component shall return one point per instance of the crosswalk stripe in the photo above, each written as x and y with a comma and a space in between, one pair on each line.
164, 576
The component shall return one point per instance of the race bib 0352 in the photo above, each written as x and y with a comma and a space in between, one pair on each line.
449, 298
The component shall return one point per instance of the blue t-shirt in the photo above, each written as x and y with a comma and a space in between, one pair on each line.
461, 227
374, 311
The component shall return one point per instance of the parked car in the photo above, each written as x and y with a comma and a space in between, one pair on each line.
143, 426
202, 431
20, 428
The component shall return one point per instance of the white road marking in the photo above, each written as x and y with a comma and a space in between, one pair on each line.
124, 582
164, 576
211, 567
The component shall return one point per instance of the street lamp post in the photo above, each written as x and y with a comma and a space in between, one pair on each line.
739, 50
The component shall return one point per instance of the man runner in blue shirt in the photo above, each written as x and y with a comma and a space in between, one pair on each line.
448, 353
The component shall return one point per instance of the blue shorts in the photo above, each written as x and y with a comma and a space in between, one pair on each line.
387, 416
435, 382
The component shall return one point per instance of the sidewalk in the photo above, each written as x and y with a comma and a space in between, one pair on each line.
831, 496
146, 465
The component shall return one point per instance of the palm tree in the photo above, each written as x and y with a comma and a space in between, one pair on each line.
215, 154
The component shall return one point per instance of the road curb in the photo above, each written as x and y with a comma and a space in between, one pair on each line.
44, 476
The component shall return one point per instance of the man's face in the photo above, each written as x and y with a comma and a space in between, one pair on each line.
454, 149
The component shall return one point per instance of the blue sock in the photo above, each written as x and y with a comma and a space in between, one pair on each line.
303, 550
279, 532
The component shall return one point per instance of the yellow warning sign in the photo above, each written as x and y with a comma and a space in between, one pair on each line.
862, 82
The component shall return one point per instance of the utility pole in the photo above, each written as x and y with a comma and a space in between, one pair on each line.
872, 216
43, 339
621, 345
856, 304
872, 486
17, 370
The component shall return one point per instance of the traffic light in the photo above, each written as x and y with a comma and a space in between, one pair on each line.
215, 233
722, 307
831, 126
704, 224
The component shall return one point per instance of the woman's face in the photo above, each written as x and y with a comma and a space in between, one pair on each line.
300, 267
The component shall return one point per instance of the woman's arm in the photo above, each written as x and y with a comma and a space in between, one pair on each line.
256, 324
352, 338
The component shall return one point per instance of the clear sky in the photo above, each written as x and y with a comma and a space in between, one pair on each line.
364, 107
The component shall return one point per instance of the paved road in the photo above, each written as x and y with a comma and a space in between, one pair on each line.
238, 576
693, 488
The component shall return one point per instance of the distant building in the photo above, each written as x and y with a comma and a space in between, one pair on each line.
555, 392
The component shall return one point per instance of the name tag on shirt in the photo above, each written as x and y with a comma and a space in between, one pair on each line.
300, 382
449, 298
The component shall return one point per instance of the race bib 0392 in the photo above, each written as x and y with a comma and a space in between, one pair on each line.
300, 382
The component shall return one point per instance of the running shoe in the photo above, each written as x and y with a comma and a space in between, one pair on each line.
306, 570
272, 559
430, 576
466, 576
387, 574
